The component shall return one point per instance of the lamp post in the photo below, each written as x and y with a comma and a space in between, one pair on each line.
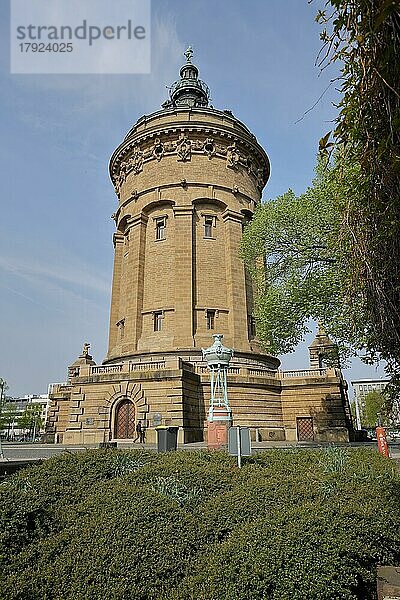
219, 417
358, 416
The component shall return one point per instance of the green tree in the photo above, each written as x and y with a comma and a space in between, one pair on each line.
3, 389
30, 421
364, 37
375, 405
331, 254
298, 259
8, 417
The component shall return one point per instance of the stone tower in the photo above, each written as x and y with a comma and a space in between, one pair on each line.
188, 177
322, 350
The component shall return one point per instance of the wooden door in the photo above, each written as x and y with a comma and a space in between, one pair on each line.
125, 420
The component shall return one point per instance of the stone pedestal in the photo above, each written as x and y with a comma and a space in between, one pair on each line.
217, 436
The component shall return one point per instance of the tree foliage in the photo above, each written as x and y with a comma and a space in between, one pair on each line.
364, 36
299, 261
375, 407
31, 420
335, 258
8, 416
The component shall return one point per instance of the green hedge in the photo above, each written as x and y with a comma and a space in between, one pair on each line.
121, 525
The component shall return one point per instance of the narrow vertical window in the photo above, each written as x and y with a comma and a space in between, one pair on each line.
208, 225
210, 316
121, 328
160, 228
157, 320
252, 327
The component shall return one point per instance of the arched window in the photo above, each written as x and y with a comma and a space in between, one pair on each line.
125, 420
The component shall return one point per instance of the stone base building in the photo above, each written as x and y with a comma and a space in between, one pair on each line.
188, 178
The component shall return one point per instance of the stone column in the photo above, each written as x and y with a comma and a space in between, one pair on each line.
236, 282
183, 277
118, 240
133, 282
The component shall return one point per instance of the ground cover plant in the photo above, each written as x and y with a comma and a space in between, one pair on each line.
121, 525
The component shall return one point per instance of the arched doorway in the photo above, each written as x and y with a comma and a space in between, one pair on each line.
125, 420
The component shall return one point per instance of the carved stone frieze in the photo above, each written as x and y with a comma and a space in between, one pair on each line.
237, 155
232, 156
158, 149
136, 161
184, 148
209, 147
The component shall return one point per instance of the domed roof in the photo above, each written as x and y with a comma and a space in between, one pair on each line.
189, 90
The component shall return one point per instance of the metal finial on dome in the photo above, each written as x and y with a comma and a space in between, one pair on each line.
189, 90
188, 54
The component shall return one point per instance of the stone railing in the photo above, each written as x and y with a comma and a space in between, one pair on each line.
202, 369
149, 366
124, 367
243, 371
234, 371
254, 372
100, 370
176, 363
303, 373
55, 388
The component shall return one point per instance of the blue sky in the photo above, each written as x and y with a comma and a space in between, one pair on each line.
58, 132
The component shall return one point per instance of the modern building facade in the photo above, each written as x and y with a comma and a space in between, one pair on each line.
12, 411
362, 387
188, 178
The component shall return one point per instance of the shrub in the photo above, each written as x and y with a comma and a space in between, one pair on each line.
121, 525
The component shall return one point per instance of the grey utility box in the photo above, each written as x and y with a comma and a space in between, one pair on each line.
167, 438
245, 443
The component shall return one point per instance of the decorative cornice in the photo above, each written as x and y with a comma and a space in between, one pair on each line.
140, 219
231, 215
118, 238
183, 211
237, 152
154, 203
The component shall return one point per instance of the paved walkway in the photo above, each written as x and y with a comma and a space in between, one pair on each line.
32, 452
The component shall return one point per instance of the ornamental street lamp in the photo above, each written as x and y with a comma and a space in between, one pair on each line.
219, 418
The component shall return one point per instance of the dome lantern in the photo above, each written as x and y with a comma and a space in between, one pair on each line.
189, 90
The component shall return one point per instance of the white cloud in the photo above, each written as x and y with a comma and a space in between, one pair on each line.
79, 275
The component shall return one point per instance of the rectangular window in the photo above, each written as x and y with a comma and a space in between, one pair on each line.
208, 225
210, 319
157, 320
160, 228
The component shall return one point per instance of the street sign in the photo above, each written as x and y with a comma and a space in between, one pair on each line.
239, 443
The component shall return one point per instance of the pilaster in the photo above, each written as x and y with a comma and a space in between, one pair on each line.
183, 277
118, 240
236, 281
134, 277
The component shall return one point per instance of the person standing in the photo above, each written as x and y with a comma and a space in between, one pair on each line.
142, 434
138, 432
